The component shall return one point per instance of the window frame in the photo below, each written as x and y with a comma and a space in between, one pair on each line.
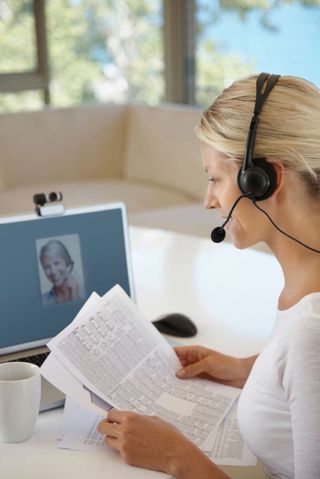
179, 50
37, 79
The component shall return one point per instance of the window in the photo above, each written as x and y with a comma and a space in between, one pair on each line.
23, 60
98, 50
183, 51
239, 37
105, 51
17, 19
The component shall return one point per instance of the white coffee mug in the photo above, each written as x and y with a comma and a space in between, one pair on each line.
20, 392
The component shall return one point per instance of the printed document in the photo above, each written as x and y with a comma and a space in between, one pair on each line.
119, 359
79, 432
227, 446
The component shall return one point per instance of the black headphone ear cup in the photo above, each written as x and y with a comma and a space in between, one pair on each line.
260, 180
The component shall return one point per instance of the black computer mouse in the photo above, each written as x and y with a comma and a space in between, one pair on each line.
175, 324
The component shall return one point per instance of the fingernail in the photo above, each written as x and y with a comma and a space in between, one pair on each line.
181, 372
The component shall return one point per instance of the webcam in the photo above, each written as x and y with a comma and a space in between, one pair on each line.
44, 206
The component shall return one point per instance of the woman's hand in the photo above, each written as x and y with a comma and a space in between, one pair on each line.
144, 441
205, 363
149, 442
71, 288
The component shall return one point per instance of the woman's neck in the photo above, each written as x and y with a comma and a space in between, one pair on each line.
61, 293
297, 214
300, 265
301, 269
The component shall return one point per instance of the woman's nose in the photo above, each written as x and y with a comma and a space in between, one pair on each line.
54, 269
210, 201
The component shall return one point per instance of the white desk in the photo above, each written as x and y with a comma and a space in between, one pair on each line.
230, 294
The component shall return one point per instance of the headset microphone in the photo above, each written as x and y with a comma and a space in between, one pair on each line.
218, 234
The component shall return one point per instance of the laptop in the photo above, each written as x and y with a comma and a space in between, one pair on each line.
49, 268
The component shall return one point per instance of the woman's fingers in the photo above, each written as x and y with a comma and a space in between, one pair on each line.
193, 360
108, 428
144, 441
116, 416
183, 351
111, 425
192, 353
113, 442
188, 354
193, 370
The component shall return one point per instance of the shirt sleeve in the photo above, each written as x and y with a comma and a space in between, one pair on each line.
301, 383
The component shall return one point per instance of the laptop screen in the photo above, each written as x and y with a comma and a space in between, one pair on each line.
50, 266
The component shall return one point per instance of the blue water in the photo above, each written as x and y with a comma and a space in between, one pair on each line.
292, 49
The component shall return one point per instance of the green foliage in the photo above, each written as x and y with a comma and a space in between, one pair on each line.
215, 69
71, 70
112, 50
104, 51
26, 100
249, 5
17, 44
99, 50
211, 80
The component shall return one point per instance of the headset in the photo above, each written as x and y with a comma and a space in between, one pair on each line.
257, 178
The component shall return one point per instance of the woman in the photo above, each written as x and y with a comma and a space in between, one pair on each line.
58, 265
279, 406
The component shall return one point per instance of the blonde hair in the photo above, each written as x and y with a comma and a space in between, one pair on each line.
289, 126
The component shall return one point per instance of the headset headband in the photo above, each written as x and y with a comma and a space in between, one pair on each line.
261, 96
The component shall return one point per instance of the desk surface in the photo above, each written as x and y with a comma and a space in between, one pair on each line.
231, 295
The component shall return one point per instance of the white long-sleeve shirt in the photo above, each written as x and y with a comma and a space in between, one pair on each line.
279, 407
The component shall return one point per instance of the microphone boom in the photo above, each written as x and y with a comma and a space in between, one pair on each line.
218, 234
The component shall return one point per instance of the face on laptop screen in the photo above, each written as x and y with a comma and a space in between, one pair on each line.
50, 266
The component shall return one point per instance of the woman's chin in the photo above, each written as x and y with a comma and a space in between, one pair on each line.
241, 242
240, 245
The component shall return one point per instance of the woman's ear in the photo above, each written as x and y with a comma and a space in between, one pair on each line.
280, 174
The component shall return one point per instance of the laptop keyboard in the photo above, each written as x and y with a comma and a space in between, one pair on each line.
37, 359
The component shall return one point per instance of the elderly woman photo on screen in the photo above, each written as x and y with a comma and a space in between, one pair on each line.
260, 143
58, 266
